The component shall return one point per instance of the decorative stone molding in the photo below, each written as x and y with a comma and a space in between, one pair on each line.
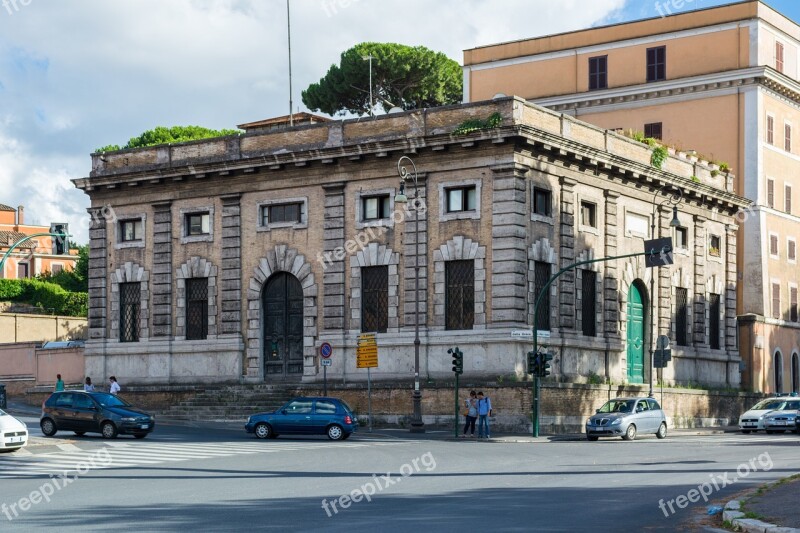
459, 248
544, 252
375, 255
131, 273
280, 259
634, 270
196, 267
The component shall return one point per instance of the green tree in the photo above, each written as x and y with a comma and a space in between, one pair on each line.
409, 77
164, 135
76, 280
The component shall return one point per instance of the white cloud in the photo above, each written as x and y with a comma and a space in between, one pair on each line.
86, 73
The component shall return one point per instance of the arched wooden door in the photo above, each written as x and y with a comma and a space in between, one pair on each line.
282, 301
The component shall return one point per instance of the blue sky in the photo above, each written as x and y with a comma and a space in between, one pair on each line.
79, 74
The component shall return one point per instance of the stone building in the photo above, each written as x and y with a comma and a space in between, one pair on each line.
233, 259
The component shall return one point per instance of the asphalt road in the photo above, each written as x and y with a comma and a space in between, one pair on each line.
202, 478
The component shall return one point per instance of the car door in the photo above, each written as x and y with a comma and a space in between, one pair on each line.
296, 416
644, 423
84, 413
656, 414
63, 411
324, 413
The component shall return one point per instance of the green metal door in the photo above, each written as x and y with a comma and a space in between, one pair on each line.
635, 336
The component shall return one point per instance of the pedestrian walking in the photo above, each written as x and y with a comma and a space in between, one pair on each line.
87, 386
484, 412
114, 387
59, 383
470, 413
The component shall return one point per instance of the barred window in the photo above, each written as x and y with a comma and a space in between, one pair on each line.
460, 294
196, 308
541, 274
129, 306
588, 303
713, 320
374, 299
681, 316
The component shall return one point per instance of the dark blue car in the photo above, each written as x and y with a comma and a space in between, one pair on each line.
306, 416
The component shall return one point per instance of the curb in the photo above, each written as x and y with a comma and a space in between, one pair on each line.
735, 516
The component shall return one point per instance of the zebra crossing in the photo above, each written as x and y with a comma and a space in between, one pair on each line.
118, 454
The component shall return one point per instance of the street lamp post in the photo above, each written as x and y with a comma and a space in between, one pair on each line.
673, 198
417, 425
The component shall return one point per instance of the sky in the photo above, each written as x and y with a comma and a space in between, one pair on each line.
79, 74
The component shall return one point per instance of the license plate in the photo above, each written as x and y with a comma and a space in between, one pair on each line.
780, 422
14, 440
145, 426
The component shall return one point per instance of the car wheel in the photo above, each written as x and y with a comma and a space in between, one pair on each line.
745, 432
662, 431
80, 433
48, 427
630, 433
139, 435
591, 438
335, 432
109, 430
263, 431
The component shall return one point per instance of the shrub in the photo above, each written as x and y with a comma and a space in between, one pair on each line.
10, 289
46, 295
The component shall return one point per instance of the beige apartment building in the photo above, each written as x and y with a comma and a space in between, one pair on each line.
720, 81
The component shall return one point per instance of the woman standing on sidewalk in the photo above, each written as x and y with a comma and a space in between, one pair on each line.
472, 413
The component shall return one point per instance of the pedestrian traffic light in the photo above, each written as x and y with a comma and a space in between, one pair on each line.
544, 365
458, 360
533, 363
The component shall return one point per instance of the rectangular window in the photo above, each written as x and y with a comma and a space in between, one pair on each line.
653, 130
791, 250
375, 207
771, 193
130, 230
541, 202
588, 302
277, 213
714, 246
589, 214
462, 199
787, 137
198, 224
374, 299
776, 300
773, 245
56, 268
681, 316
787, 200
129, 305
541, 275
196, 308
714, 319
793, 304
682, 238
460, 294
656, 64
22, 270
598, 73
779, 57
770, 130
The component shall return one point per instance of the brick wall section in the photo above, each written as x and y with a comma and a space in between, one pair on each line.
610, 278
161, 280
98, 274
509, 239
699, 325
333, 277
416, 248
231, 285
566, 283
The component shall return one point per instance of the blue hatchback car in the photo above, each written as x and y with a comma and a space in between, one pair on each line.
306, 416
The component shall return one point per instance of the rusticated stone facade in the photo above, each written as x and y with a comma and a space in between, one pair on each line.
301, 241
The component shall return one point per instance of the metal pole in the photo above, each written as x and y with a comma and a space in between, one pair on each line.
455, 421
289, 35
536, 406
371, 105
325, 380
417, 425
369, 397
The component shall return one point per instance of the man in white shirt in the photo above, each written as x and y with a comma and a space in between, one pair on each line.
114, 387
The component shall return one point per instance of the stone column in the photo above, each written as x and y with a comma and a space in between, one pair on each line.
333, 278
700, 245
610, 279
98, 274
566, 283
411, 249
510, 222
231, 279
161, 280
730, 290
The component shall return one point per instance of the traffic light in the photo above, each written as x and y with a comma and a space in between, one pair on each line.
458, 360
544, 365
533, 363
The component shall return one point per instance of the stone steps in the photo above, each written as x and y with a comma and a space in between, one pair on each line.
227, 403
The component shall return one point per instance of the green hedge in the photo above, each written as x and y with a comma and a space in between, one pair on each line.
44, 294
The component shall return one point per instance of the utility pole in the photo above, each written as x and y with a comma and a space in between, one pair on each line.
371, 105
289, 35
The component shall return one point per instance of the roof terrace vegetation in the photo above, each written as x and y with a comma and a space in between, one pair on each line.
164, 135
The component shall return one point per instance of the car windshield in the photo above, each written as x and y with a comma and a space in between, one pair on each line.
109, 400
770, 404
617, 406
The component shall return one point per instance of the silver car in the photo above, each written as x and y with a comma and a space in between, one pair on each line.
627, 417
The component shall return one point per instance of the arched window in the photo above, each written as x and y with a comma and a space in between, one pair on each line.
795, 372
778, 362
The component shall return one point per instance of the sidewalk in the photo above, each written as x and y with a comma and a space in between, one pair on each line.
775, 507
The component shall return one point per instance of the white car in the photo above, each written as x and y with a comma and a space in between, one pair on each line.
783, 420
13, 433
753, 420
